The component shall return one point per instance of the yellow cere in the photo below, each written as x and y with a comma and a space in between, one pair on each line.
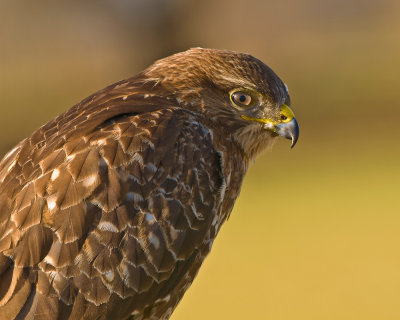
286, 115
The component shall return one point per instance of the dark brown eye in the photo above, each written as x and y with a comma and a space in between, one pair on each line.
241, 98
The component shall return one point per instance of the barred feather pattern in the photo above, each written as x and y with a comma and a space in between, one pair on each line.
111, 214
109, 210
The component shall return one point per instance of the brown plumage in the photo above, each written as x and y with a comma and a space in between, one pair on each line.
109, 210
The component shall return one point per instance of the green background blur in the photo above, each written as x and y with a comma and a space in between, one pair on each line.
315, 232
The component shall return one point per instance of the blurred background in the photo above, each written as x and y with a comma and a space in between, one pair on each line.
315, 232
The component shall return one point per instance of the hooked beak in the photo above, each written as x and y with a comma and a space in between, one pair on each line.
289, 130
286, 127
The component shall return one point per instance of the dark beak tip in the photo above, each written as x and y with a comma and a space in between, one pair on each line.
295, 136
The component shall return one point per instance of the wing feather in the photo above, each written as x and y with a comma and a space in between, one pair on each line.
104, 204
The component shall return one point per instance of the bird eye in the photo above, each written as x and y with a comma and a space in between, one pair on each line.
241, 99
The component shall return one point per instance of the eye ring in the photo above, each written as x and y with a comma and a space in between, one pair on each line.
241, 99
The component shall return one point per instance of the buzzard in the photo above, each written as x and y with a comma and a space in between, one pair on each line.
109, 210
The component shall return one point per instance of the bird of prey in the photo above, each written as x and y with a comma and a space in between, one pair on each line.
108, 211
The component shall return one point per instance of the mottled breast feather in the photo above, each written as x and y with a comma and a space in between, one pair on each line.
109, 210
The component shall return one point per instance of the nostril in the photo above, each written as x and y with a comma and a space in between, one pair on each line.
283, 117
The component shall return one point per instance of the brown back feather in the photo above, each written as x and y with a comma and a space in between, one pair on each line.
92, 209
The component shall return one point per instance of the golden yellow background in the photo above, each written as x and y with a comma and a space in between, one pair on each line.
315, 232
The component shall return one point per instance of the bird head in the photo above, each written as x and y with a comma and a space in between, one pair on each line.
235, 92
